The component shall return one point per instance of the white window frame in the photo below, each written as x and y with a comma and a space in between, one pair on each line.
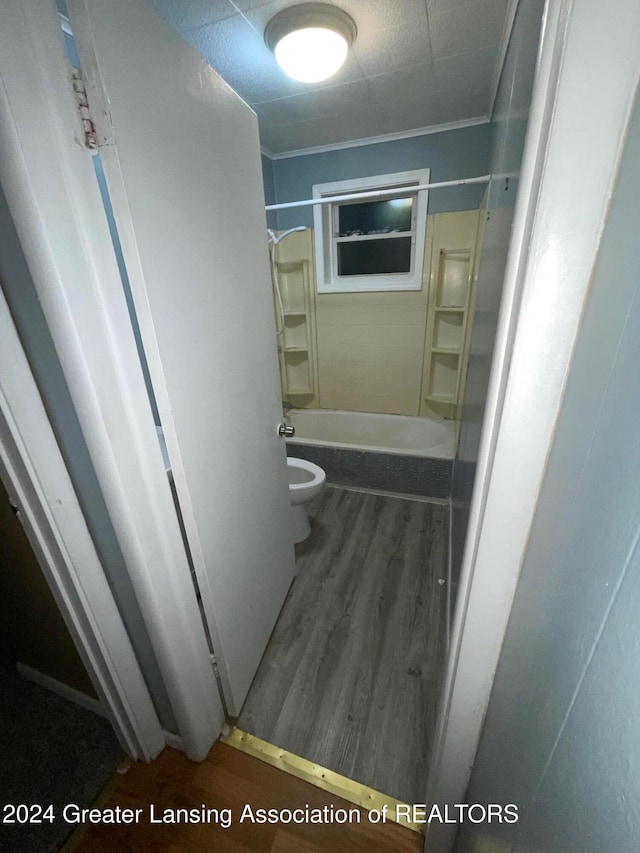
325, 217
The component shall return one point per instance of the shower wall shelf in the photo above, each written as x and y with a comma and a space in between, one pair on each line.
451, 292
296, 341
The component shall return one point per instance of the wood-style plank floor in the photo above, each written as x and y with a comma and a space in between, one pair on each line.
228, 779
351, 675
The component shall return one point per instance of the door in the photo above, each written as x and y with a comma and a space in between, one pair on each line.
182, 161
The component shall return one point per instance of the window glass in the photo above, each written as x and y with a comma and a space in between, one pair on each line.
375, 217
372, 257
372, 243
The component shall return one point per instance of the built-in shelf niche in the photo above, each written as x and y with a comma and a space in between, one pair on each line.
297, 373
291, 277
448, 330
454, 269
295, 335
450, 304
447, 326
443, 374
295, 342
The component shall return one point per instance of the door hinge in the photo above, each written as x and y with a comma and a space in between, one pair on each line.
89, 128
214, 665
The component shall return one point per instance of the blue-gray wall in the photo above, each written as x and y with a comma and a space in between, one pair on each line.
269, 189
508, 129
21, 296
562, 734
452, 154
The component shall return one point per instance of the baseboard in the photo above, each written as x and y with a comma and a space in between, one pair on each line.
402, 495
449, 576
61, 689
174, 741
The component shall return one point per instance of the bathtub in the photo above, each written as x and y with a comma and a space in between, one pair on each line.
370, 431
392, 453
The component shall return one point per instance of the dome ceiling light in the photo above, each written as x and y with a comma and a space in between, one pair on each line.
310, 41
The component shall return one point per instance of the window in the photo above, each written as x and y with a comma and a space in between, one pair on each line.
371, 245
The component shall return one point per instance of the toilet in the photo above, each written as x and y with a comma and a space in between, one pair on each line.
305, 483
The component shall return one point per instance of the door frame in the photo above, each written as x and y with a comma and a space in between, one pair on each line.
36, 477
52, 193
587, 76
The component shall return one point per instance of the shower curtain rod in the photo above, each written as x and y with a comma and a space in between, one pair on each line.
483, 179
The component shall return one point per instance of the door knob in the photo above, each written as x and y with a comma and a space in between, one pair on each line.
285, 430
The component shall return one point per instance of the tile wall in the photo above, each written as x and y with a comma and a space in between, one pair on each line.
369, 348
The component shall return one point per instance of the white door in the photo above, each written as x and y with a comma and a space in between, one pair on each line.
182, 160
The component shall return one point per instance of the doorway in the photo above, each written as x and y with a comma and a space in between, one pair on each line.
188, 383
56, 746
197, 446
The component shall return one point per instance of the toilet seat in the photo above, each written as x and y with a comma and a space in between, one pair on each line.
305, 483
305, 479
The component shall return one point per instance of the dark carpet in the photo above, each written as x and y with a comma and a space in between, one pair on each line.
52, 752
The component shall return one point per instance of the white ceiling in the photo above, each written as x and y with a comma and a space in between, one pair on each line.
415, 64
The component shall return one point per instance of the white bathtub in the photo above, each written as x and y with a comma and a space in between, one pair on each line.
369, 431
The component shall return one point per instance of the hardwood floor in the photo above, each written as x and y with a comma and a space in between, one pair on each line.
228, 779
351, 675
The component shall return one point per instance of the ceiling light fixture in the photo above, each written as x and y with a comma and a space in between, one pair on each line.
310, 41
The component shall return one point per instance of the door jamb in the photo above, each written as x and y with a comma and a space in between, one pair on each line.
577, 127
36, 476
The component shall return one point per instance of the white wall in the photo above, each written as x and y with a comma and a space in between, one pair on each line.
562, 733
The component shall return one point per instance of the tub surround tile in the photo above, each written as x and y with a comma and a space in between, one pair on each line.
378, 337
365, 300
374, 315
340, 399
400, 403
399, 374
351, 676
371, 339
389, 472
385, 335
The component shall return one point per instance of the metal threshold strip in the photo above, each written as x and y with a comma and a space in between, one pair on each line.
354, 792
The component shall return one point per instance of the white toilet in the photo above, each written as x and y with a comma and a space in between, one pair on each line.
305, 483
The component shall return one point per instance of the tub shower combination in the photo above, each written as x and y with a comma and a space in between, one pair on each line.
393, 453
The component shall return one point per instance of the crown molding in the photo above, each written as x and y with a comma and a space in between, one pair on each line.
375, 140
